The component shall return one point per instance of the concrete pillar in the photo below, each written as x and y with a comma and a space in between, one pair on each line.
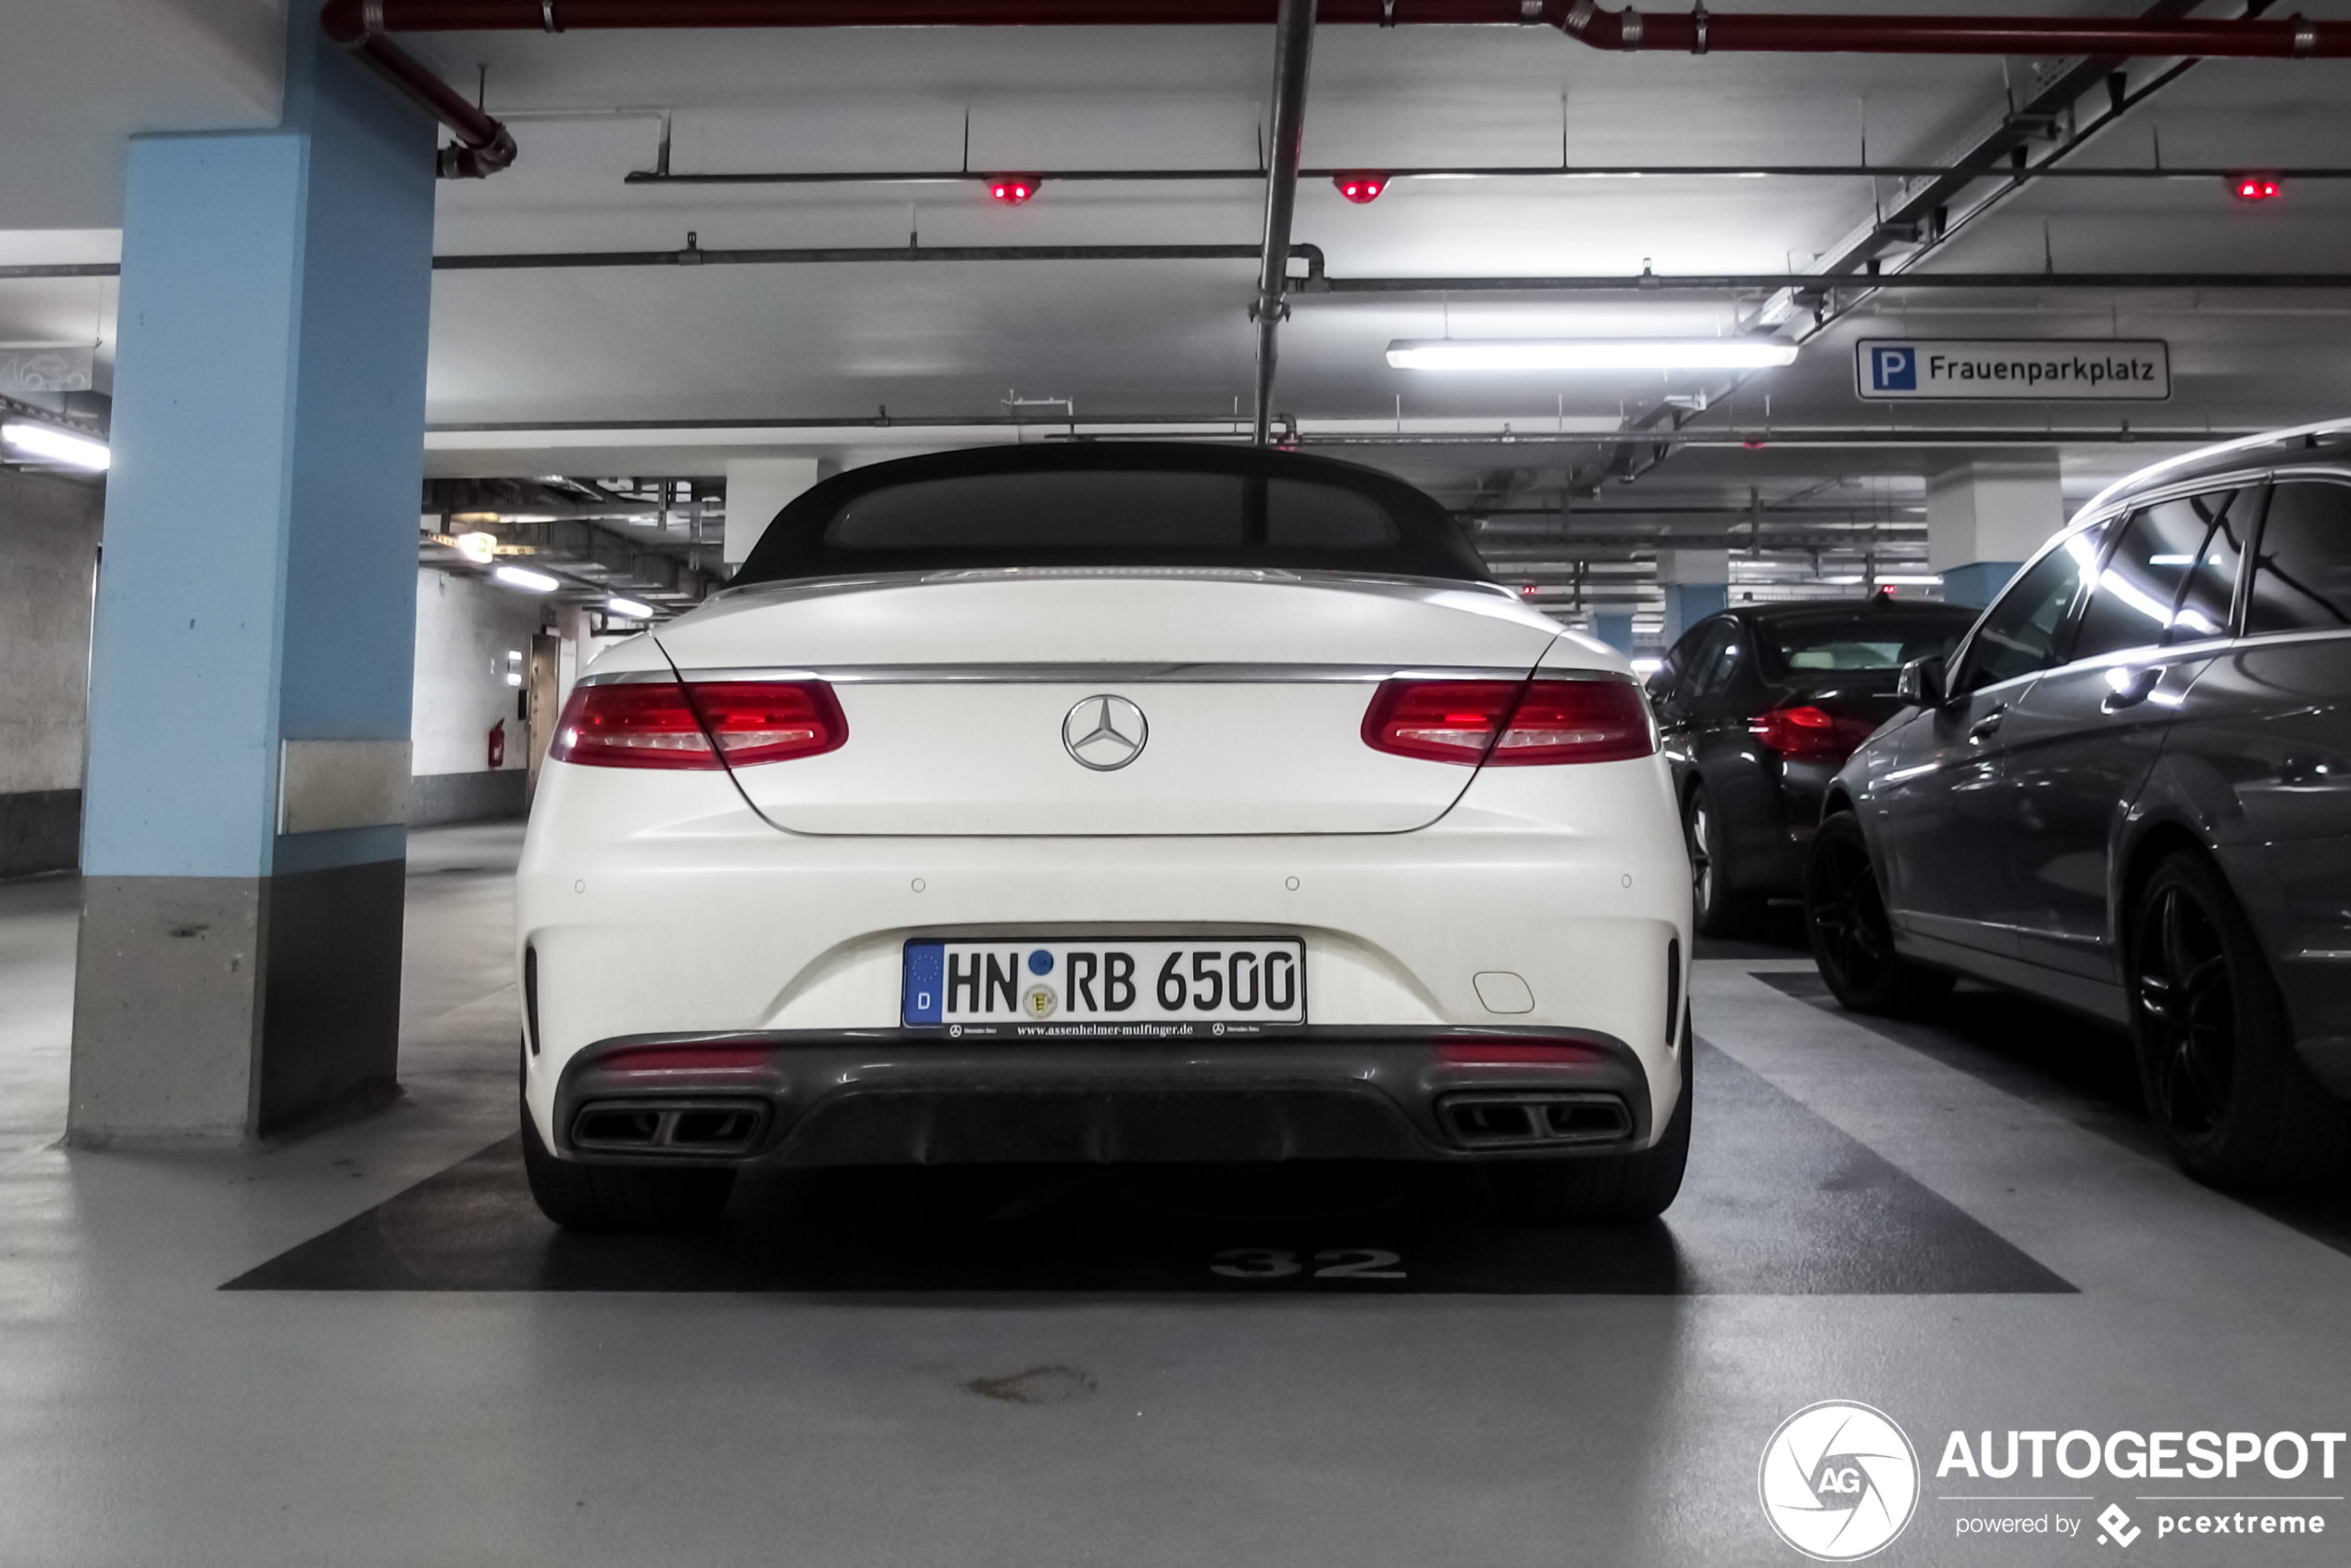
1697, 584
758, 488
1614, 628
1984, 519
243, 843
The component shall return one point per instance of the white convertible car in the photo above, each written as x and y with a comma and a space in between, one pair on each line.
1105, 804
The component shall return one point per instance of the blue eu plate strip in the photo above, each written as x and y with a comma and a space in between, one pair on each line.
925, 975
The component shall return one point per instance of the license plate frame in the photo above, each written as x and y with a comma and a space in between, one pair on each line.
939, 994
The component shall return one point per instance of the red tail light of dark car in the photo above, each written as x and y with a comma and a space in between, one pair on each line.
1510, 723
1809, 731
667, 724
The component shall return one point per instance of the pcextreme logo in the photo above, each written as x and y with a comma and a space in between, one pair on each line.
1839, 1481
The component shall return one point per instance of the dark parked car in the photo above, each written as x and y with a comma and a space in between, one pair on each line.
1757, 708
2128, 794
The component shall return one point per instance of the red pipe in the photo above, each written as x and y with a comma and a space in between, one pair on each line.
569, 16
485, 146
1696, 31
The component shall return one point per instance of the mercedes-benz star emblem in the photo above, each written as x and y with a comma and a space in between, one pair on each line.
1105, 732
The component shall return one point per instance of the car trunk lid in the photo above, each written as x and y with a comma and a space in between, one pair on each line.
1106, 703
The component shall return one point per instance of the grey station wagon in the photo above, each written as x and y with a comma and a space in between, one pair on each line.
2128, 792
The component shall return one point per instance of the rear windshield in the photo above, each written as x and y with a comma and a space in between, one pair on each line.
1885, 642
1111, 512
1103, 508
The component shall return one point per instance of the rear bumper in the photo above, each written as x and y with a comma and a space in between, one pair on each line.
896, 1097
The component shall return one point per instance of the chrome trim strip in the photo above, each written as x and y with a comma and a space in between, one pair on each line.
1105, 674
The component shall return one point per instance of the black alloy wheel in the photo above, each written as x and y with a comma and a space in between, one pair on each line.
2229, 1097
1717, 910
1851, 937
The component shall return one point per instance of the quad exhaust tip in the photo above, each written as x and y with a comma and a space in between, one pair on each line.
1496, 1121
699, 1127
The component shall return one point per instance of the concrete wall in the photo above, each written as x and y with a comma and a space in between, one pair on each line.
48, 557
466, 629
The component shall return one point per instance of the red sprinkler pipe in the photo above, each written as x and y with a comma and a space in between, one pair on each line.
581, 15
1701, 31
1696, 31
485, 146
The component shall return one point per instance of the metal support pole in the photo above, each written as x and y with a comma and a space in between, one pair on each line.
1293, 48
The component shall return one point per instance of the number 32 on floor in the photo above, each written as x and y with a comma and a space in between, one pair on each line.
1341, 1262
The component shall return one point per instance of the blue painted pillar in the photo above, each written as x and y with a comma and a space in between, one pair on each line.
242, 848
1697, 584
1614, 628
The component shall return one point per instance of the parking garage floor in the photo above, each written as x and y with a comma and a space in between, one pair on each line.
365, 1346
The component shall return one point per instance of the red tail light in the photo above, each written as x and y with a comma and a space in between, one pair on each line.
1509, 723
1576, 721
654, 724
756, 721
1809, 731
1441, 720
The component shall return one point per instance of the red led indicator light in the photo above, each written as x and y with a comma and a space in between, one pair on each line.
1012, 189
2253, 187
1360, 186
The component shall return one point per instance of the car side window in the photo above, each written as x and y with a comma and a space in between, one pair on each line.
2138, 588
1718, 661
1673, 674
2020, 633
2302, 575
2209, 601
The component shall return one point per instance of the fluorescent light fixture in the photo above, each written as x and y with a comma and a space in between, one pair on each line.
1929, 581
1647, 666
629, 607
526, 580
513, 678
2171, 560
1590, 353
56, 445
482, 548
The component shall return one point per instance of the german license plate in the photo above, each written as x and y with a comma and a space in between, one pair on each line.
1179, 987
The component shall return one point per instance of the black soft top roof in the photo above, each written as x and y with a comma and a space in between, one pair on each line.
1425, 543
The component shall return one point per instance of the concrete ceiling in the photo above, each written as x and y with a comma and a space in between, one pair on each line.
955, 341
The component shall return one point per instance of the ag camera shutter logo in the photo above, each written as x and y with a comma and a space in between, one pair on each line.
1839, 1481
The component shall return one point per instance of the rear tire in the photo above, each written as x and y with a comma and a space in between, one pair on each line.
1602, 1188
1719, 910
2229, 1097
1851, 937
581, 1196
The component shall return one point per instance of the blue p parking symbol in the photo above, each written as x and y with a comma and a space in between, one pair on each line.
1894, 369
